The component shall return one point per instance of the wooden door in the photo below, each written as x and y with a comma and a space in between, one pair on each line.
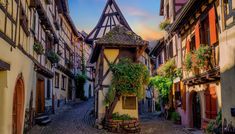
40, 101
196, 111
18, 107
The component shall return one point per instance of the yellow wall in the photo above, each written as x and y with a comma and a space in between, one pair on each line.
111, 55
19, 64
119, 109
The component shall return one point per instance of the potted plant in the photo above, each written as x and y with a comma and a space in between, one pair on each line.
38, 48
175, 116
52, 57
164, 24
203, 56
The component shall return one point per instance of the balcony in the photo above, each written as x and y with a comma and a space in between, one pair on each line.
202, 66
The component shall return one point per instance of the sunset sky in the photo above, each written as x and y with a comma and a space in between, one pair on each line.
142, 15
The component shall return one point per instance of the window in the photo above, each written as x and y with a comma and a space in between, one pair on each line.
159, 60
48, 89
170, 51
129, 102
192, 44
205, 31
229, 13
178, 98
63, 86
57, 80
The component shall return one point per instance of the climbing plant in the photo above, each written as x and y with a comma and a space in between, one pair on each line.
129, 78
163, 86
168, 69
188, 64
80, 80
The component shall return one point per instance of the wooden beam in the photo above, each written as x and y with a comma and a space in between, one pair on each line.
4, 66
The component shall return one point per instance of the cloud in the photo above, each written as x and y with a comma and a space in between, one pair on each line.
147, 33
137, 12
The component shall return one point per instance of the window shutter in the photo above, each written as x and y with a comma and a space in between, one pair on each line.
208, 99
213, 103
188, 46
183, 94
212, 23
197, 35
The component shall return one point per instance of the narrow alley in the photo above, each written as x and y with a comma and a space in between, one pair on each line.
76, 118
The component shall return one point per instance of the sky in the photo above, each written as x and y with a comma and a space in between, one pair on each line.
142, 15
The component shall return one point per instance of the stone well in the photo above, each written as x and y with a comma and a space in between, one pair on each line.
123, 126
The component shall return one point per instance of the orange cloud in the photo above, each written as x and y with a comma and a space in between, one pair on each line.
148, 33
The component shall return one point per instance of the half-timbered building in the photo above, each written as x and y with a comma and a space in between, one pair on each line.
38, 40
200, 94
227, 56
106, 52
16, 68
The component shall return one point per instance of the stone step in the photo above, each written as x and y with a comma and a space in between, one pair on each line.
41, 118
45, 122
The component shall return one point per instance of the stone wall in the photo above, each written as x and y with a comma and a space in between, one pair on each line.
119, 126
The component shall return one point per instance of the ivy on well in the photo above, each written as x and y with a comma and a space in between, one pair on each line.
129, 78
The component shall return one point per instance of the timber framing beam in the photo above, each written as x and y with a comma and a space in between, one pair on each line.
207, 77
4, 66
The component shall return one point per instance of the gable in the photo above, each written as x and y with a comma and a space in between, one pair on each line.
111, 17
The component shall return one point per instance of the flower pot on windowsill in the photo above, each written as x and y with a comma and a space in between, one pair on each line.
52, 57
38, 48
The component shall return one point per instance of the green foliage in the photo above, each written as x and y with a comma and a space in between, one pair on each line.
52, 57
164, 24
175, 116
110, 96
129, 78
117, 116
80, 80
38, 48
202, 55
158, 106
163, 85
215, 126
178, 73
168, 69
188, 62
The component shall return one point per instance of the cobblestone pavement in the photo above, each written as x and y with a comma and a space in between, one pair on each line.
76, 119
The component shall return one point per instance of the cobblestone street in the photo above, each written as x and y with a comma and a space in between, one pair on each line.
76, 119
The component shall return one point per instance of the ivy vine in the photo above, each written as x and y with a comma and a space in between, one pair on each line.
129, 78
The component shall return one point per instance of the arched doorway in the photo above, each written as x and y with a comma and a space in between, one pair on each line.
196, 110
18, 107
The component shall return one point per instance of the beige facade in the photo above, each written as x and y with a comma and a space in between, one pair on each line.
227, 64
25, 74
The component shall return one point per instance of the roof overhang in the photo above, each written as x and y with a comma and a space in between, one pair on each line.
97, 48
190, 7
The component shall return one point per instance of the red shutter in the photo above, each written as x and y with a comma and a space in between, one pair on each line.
208, 101
213, 102
212, 23
187, 46
183, 94
197, 35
